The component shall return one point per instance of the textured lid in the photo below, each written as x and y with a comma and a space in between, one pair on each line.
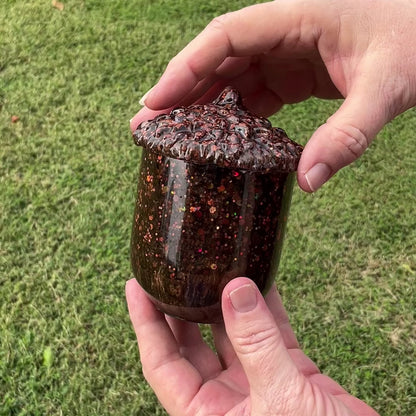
223, 133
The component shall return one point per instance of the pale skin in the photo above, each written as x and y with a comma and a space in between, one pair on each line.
288, 50
257, 368
276, 53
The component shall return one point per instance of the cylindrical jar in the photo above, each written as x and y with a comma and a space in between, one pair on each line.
199, 221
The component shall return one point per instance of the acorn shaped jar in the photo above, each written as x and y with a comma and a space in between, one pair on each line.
213, 196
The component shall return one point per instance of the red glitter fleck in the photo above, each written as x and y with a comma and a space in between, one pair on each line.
221, 188
229, 230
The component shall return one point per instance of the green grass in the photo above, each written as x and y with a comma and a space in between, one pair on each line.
68, 174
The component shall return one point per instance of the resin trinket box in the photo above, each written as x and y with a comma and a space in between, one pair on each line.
213, 195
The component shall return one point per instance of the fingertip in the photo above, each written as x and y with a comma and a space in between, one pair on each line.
133, 123
137, 298
341, 140
303, 183
235, 283
230, 292
176, 82
314, 177
145, 114
254, 335
143, 100
131, 286
134, 294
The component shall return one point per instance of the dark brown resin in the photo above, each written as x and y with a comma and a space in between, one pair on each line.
223, 133
206, 214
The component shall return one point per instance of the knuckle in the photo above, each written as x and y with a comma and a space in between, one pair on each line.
220, 22
397, 94
152, 365
223, 26
253, 340
352, 141
173, 62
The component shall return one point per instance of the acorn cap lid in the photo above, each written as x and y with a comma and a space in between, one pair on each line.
223, 133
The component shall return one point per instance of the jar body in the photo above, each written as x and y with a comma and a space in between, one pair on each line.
196, 227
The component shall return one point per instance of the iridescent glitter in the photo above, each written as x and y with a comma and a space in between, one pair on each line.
213, 194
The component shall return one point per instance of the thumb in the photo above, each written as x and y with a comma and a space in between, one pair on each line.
258, 344
342, 139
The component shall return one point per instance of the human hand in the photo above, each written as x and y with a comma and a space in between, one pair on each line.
258, 370
288, 50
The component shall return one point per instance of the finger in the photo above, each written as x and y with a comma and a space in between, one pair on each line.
202, 92
275, 304
162, 364
145, 114
304, 364
223, 346
257, 340
346, 134
246, 79
186, 333
263, 102
194, 349
256, 97
239, 73
223, 38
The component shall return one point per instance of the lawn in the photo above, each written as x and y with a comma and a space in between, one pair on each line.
70, 80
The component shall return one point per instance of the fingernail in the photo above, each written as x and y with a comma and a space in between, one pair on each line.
144, 98
244, 298
317, 175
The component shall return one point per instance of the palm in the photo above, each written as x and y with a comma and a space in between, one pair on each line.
225, 391
216, 382
189, 378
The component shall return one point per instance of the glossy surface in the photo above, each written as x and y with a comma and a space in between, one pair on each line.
223, 133
198, 226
